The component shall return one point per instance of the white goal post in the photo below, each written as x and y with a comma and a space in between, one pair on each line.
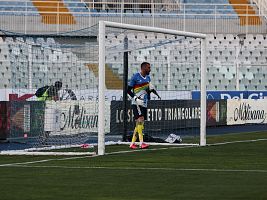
101, 106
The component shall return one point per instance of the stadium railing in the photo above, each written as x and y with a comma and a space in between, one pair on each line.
54, 17
262, 5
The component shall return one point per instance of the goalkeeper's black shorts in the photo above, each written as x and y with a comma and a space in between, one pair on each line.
139, 111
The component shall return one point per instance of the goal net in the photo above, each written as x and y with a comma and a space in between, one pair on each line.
177, 67
64, 113
91, 107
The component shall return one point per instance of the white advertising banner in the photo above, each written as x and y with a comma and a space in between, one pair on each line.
246, 111
74, 117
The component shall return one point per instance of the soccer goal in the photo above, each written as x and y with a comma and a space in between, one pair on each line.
178, 66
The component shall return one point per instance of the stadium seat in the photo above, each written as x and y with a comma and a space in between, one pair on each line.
128, 13
146, 13
255, 81
251, 87
262, 59
94, 13
261, 87
51, 41
249, 75
231, 87
103, 13
113, 13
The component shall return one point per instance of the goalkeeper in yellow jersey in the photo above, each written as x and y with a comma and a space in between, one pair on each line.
139, 89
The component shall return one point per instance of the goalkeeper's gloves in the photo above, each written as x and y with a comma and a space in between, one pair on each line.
138, 101
158, 95
152, 89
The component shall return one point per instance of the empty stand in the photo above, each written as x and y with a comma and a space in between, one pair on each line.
54, 12
246, 12
50, 63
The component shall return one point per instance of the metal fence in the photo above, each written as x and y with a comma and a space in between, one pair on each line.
51, 17
262, 6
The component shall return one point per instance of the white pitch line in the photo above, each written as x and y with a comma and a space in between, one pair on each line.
81, 157
130, 151
238, 141
145, 168
46, 160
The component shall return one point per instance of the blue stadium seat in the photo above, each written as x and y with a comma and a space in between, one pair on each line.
113, 13
103, 13
137, 13
17, 8
94, 13
146, 13
128, 13
205, 9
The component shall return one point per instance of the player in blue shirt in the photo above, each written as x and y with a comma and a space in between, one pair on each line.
139, 89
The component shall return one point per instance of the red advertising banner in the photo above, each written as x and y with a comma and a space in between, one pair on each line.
4, 120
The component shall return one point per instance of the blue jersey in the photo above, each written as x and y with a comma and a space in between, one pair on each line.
140, 86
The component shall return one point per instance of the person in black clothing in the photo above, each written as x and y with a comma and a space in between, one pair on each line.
53, 90
48, 93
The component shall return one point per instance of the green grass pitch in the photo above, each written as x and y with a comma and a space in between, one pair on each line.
235, 170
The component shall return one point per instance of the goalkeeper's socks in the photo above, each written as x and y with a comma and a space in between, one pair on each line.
134, 135
140, 132
135, 130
